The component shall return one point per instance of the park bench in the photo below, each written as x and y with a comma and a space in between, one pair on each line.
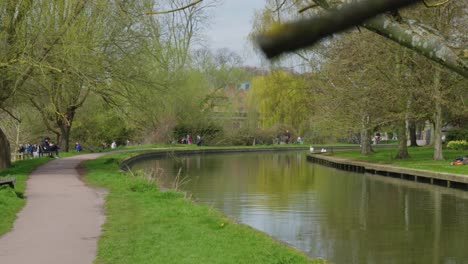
47, 152
8, 181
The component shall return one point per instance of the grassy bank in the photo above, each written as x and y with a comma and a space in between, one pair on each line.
145, 225
420, 158
11, 201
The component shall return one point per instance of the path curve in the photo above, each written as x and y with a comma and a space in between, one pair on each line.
61, 221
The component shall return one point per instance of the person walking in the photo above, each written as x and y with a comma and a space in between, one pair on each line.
287, 136
77, 147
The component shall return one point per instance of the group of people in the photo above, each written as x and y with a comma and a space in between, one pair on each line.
188, 140
38, 150
286, 138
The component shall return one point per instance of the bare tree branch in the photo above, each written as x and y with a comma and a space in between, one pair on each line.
173, 10
280, 6
303, 33
435, 4
10, 114
413, 35
409, 33
308, 7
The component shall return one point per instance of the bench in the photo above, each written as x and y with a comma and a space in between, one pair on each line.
47, 153
8, 181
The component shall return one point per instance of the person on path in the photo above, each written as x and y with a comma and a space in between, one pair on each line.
287, 136
113, 145
199, 140
77, 147
54, 148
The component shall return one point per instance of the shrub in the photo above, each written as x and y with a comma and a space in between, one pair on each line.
458, 145
207, 131
457, 134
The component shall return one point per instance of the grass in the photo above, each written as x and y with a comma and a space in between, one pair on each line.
420, 158
146, 225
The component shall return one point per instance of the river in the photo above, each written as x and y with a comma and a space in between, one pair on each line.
344, 217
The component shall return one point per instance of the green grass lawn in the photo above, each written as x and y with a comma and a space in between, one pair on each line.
420, 158
145, 225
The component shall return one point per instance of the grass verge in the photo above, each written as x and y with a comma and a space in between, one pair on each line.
420, 158
146, 225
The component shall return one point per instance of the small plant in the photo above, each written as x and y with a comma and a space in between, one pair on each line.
458, 145
179, 182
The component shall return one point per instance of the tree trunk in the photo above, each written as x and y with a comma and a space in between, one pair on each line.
412, 133
402, 141
65, 123
5, 154
366, 148
64, 141
437, 134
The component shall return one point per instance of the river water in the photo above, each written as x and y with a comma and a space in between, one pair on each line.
344, 217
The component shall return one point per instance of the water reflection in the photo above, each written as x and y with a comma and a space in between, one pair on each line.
341, 216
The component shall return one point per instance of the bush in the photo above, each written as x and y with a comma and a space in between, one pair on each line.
458, 145
207, 131
457, 134
245, 136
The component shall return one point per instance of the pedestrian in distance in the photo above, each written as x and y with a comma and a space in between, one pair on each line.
77, 147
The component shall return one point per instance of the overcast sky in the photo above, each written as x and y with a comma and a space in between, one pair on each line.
230, 27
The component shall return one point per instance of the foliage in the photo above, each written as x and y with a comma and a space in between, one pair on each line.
457, 134
98, 123
458, 145
247, 137
207, 130
282, 98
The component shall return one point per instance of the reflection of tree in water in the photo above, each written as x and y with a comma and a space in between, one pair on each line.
343, 216
367, 220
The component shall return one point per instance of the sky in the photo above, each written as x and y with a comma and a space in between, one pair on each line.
230, 27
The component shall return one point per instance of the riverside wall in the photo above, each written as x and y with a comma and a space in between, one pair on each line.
458, 181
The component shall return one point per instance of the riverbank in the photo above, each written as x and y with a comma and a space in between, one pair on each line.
420, 158
418, 168
146, 225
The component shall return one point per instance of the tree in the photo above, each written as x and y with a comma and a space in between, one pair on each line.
170, 89
407, 32
77, 63
281, 98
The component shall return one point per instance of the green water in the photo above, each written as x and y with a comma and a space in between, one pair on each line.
341, 216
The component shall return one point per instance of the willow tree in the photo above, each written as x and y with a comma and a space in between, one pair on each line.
281, 97
18, 36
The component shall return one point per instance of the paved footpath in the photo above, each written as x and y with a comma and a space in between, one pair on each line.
61, 221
